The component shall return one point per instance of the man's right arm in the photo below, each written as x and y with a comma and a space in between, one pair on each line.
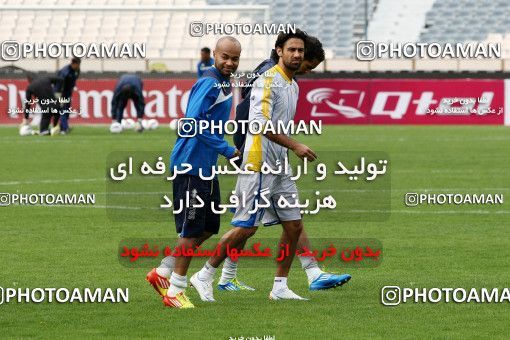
301, 150
262, 110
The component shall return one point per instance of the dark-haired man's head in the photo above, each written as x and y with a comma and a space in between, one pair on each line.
314, 55
75, 63
290, 48
205, 54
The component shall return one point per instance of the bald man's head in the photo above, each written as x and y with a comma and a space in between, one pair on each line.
226, 55
226, 41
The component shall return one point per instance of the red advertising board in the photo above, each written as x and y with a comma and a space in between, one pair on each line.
402, 101
334, 101
165, 99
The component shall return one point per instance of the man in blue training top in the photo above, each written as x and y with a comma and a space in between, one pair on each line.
64, 89
210, 99
206, 62
129, 86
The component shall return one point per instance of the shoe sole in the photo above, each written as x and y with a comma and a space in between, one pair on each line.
171, 305
276, 298
235, 290
227, 290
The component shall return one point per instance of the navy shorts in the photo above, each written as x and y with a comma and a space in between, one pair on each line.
192, 222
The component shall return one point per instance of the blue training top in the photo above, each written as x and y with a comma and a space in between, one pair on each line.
68, 82
204, 66
210, 99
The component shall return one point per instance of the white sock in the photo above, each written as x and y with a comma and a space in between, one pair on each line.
177, 284
206, 273
229, 271
311, 267
166, 267
279, 283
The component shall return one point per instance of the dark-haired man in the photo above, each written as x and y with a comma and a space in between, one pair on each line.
129, 86
206, 62
64, 89
317, 279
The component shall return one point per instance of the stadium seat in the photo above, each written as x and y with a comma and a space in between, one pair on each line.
338, 23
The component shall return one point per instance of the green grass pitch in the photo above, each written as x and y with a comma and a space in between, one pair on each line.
426, 246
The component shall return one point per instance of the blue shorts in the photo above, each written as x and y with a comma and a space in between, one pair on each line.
192, 222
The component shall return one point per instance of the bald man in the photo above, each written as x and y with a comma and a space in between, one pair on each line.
210, 100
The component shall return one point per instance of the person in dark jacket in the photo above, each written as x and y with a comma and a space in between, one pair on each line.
64, 89
40, 91
129, 86
206, 62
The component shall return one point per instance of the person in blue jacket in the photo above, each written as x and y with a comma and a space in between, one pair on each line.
206, 62
69, 74
210, 99
129, 86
